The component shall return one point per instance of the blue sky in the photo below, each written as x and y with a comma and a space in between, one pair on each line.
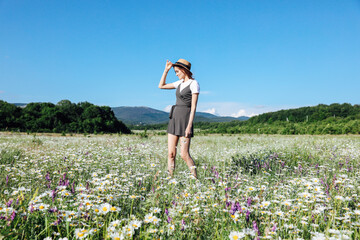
249, 56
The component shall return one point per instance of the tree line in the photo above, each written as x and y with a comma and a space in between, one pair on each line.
321, 119
65, 116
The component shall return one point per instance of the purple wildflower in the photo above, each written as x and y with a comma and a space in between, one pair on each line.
249, 202
273, 229
57, 222
73, 187
53, 194
255, 227
8, 204
238, 207
47, 177
247, 216
183, 225
12, 215
233, 208
52, 210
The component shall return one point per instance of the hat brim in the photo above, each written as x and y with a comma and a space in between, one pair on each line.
181, 66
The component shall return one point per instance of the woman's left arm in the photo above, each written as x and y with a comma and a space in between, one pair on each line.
194, 100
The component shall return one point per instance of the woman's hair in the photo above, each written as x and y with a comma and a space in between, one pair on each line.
187, 72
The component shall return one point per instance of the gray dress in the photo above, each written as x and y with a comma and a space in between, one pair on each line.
180, 113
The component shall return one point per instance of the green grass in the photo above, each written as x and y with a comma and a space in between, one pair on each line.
109, 186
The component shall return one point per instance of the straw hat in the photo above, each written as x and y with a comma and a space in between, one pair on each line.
183, 63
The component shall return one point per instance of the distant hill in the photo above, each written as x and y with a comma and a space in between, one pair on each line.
146, 115
309, 114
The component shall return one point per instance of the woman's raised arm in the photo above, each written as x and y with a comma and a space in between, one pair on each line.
162, 84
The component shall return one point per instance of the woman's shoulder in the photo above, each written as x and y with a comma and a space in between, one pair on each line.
194, 81
194, 86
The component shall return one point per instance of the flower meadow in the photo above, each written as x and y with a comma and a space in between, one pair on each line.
117, 187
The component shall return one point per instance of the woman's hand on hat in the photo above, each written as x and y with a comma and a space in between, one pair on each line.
168, 65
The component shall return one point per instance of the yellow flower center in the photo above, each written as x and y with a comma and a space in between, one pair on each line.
41, 207
104, 209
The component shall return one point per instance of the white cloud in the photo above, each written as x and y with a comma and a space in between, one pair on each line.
242, 113
235, 109
211, 111
167, 108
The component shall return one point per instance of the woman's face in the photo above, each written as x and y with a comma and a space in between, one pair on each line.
179, 73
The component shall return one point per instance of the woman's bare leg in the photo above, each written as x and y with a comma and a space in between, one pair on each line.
185, 155
172, 143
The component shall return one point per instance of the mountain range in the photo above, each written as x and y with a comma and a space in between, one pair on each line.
146, 115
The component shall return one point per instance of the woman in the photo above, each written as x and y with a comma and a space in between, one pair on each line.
182, 114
